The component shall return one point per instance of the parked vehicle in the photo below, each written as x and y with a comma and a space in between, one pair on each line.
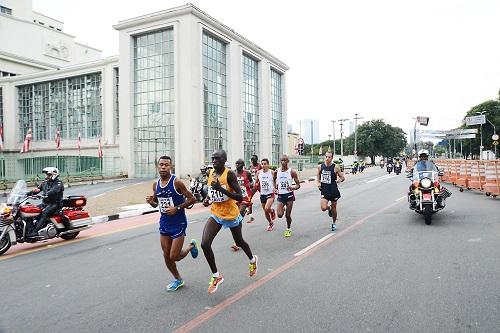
18, 216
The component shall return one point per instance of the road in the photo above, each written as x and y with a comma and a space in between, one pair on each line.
384, 270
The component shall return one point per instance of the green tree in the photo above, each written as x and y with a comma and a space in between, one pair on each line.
491, 109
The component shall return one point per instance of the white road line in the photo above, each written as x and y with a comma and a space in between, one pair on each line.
316, 243
378, 178
399, 199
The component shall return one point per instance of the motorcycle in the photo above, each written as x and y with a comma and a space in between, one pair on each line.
18, 216
389, 167
381, 164
397, 168
426, 195
199, 189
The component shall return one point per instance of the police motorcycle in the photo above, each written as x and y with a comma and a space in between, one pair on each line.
390, 166
397, 167
382, 164
198, 185
426, 195
18, 216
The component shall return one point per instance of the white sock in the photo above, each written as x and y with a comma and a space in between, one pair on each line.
252, 261
216, 274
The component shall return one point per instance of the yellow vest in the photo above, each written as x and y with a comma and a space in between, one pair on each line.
222, 206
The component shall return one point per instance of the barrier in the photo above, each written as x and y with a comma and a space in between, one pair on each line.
477, 178
463, 174
492, 178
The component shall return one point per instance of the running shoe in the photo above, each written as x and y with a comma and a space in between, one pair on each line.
214, 283
174, 285
235, 247
270, 227
287, 233
194, 250
330, 211
334, 227
273, 215
252, 268
251, 219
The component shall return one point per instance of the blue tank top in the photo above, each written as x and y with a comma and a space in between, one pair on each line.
169, 197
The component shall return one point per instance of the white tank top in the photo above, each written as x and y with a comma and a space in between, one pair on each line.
284, 180
266, 182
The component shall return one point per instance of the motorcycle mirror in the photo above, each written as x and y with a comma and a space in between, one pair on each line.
441, 173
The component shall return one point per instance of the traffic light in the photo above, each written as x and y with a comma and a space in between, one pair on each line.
300, 149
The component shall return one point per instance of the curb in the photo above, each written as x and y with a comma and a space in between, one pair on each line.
122, 215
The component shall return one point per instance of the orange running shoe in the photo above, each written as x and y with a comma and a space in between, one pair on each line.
214, 283
252, 267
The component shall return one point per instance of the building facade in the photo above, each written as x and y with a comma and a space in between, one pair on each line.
182, 85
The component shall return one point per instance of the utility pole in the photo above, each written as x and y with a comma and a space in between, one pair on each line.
333, 126
355, 133
341, 121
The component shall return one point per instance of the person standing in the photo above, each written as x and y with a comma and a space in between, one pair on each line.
265, 185
284, 179
245, 182
224, 193
329, 174
171, 197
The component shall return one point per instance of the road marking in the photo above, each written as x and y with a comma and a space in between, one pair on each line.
399, 199
378, 178
202, 318
304, 250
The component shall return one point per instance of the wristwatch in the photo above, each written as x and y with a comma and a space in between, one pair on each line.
178, 208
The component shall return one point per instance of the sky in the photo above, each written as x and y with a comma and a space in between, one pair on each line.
385, 59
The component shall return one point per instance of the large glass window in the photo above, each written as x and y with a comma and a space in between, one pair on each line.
250, 107
70, 105
276, 115
154, 99
214, 95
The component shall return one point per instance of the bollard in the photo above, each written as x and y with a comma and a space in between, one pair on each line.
68, 179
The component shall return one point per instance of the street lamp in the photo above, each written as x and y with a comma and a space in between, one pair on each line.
341, 121
333, 126
355, 133
481, 134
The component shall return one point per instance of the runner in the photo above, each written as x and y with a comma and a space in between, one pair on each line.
171, 196
246, 184
224, 192
265, 185
283, 178
254, 167
327, 178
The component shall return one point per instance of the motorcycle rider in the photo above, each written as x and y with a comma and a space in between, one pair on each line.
423, 155
52, 189
203, 179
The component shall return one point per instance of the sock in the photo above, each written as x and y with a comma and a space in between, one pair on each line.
216, 274
252, 261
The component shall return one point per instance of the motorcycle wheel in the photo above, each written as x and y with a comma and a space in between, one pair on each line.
428, 214
70, 236
4, 244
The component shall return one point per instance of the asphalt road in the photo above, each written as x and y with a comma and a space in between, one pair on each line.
384, 270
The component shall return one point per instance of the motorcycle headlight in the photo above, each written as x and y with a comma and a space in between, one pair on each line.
426, 183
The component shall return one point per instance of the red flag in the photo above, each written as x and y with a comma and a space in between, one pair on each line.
27, 140
99, 149
58, 139
79, 142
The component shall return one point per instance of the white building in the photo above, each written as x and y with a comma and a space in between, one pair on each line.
183, 85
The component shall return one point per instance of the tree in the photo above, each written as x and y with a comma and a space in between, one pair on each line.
491, 109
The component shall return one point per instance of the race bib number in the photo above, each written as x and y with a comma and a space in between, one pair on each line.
164, 203
244, 191
266, 186
326, 178
216, 196
283, 185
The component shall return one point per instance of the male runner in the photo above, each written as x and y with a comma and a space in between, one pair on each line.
254, 167
329, 174
246, 184
224, 192
265, 185
171, 197
283, 178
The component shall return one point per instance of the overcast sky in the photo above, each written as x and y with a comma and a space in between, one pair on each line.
390, 59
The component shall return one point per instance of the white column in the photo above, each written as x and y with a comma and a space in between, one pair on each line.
265, 108
235, 119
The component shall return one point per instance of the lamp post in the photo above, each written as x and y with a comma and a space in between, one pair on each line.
494, 134
333, 126
481, 134
356, 134
341, 121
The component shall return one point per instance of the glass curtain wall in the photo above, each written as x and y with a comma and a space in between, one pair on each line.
276, 116
1, 112
214, 95
154, 99
69, 105
250, 107
116, 105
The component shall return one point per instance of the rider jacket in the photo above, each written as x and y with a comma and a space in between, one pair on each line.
52, 191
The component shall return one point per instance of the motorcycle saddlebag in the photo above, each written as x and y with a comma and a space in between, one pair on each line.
75, 201
76, 214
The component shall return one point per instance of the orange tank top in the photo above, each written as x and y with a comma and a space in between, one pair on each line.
222, 206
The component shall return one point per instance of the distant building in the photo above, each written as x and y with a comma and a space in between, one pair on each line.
293, 140
309, 130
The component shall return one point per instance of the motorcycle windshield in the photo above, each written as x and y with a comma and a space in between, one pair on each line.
17, 193
425, 169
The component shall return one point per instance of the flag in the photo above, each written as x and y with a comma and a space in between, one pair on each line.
320, 150
99, 149
27, 140
58, 139
79, 142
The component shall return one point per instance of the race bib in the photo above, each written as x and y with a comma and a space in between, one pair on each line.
283, 185
164, 203
326, 178
216, 196
266, 186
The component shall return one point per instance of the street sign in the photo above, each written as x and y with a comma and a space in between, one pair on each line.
495, 143
494, 137
424, 121
463, 131
461, 136
475, 120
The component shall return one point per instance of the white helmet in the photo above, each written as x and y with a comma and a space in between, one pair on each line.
423, 152
53, 171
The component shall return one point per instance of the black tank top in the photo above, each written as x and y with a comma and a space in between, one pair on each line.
328, 179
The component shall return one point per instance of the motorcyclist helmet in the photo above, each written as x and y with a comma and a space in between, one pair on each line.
423, 152
52, 171
203, 168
